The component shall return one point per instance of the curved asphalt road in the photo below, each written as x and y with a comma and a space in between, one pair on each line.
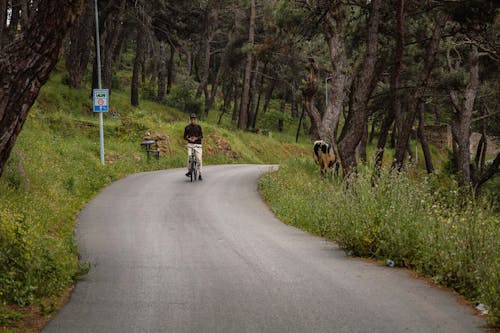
171, 256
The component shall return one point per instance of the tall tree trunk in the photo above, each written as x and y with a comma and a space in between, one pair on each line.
403, 135
335, 35
394, 86
361, 148
78, 53
308, 93
423, 140
3, 20
357, 118
261, 85
282, 113
221, 72
189, 60
269, 94
170, 69
25, 66
372, 131
139, 59
237, 94
488, 174
462, 118
253, 86
206, 64
24, 14
113, 30
14, 19
245, 96
162, 70
300, 125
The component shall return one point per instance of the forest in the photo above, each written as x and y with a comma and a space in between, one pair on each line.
355, 68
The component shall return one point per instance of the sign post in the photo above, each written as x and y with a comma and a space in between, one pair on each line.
100, 95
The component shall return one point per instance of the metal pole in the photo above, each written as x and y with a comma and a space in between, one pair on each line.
98, 54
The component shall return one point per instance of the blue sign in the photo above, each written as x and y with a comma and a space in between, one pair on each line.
101, 100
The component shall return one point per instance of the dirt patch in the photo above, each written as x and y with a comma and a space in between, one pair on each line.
162, 142
219, 146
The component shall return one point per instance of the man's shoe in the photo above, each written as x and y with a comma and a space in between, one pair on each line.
188, 174
200, 178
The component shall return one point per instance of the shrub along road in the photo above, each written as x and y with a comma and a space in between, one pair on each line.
171, 256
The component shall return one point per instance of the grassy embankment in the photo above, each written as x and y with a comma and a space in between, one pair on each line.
417, 221
54, 170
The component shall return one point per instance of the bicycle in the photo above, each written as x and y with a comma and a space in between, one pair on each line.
193, 165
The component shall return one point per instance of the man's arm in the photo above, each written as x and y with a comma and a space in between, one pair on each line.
186, 133
201, 134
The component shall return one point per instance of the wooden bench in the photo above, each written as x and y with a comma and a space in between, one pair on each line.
150, 151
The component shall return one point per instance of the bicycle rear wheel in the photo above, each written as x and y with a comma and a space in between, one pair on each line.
195, 172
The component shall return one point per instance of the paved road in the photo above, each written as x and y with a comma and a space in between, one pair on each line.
171, 256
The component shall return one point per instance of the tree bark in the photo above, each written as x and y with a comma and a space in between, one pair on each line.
335, 34
492, 170
78, 53
245, 96
113, 30
357, 118
394, 86
162, 72
206, 64
14, 20
25, 66
253, 86
403, 135
462, 118
423, 140
308, 92
300, 124
261, 85
221, 72
139, 59
235, 114
170, 69
269, 94
3, 20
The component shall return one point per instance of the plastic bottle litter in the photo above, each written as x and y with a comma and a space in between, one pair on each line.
482, 308
390, 263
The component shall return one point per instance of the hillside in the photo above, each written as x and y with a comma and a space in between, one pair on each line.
54, 170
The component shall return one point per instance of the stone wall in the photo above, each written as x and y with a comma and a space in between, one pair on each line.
438, 135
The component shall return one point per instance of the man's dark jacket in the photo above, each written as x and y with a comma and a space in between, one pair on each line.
193, 130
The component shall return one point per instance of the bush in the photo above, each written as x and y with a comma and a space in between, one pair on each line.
270, 120
428, 226
182, 96
31, 264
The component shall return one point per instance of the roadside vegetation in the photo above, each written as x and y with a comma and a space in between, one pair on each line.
423, 223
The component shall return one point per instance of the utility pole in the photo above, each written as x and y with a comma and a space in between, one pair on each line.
98, 54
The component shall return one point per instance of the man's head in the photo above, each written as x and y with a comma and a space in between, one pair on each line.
193, 118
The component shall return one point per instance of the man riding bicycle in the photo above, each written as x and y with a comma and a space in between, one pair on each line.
193, 135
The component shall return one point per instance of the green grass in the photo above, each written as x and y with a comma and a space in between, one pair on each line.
426, 225
54, 170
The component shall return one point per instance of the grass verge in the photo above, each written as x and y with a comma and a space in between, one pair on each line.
427, 225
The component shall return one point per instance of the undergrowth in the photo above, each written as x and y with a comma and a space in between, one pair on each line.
425, 225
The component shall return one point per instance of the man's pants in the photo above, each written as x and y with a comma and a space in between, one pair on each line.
197, 152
